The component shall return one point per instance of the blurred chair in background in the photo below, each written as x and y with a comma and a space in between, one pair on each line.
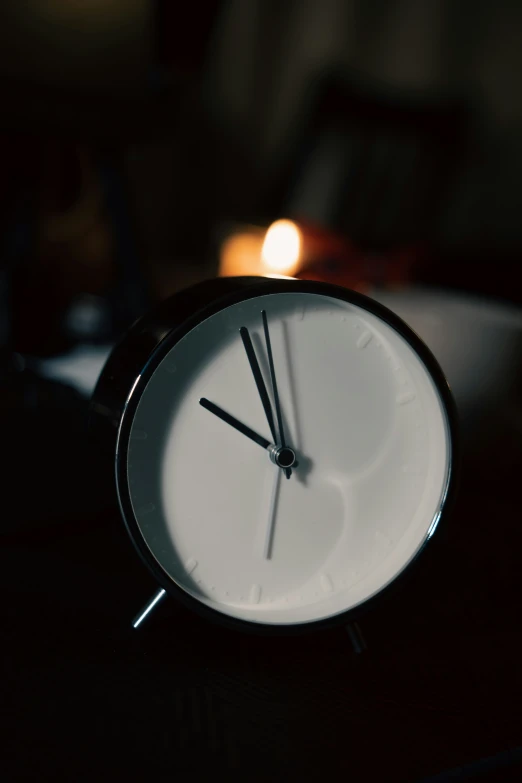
377, 166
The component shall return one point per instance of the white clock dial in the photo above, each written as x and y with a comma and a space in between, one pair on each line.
371, 438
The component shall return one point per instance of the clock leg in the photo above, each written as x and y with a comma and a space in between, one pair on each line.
148, 608
356, 638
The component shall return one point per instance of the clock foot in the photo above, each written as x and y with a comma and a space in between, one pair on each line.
148, 608
356, 638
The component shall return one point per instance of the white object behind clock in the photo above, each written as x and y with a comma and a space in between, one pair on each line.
370, 431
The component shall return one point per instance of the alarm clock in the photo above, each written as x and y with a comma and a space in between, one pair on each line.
283, 450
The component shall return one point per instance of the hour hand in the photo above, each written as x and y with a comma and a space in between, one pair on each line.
282, 456
238, 425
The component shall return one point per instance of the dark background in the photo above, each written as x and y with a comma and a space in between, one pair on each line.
135, 136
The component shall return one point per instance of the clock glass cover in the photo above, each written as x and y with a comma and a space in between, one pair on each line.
295, 535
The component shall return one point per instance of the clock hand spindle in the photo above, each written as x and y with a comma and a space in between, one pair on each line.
282, 443
258, 377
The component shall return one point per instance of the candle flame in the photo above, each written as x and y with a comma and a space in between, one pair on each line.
282, 247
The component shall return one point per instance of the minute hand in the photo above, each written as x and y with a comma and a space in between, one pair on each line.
282, 442
258, 377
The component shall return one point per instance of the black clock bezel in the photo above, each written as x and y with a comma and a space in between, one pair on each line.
156, 335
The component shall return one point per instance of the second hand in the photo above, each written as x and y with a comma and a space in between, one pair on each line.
288, 472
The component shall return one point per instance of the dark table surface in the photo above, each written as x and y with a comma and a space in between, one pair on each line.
84, 696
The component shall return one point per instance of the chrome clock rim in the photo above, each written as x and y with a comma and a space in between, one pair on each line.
165, 337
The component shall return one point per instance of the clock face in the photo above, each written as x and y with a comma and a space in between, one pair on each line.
369, 448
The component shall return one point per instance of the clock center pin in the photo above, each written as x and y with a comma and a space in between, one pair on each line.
282, 456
